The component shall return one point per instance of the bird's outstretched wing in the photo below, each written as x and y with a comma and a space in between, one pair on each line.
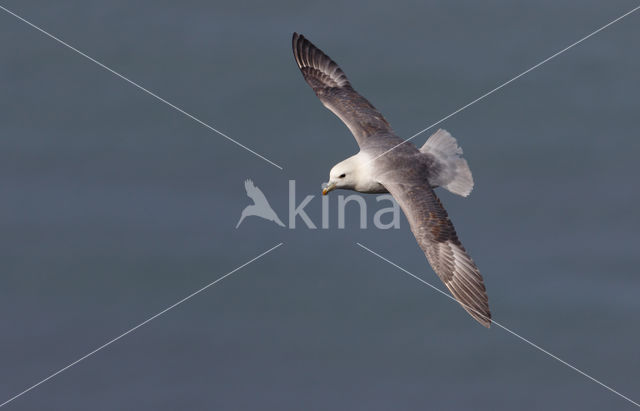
437, 237
333, 89
255, 194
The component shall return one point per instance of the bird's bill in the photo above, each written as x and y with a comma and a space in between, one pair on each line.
327, 187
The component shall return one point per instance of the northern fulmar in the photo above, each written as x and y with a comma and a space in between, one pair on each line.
387, 163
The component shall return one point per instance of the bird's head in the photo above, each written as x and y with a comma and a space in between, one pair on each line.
342, 175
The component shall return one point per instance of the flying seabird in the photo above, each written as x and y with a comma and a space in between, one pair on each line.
386, 163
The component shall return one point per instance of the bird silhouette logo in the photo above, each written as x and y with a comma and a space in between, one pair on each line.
260, 207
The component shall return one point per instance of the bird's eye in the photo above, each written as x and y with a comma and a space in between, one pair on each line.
342, 175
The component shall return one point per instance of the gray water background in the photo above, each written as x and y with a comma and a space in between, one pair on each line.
114, 206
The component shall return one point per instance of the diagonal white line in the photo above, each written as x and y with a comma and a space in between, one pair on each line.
509, 81
133, 83
61, 370
555, 357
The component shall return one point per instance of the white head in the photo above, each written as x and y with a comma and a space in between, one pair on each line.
348, 174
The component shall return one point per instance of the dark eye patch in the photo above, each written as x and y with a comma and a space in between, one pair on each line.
342, 175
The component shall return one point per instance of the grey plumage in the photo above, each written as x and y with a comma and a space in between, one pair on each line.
333, 89
409, 174
453, 170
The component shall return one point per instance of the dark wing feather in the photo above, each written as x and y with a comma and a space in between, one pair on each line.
437, 237
333, 89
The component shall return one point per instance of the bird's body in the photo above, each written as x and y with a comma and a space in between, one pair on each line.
387, 163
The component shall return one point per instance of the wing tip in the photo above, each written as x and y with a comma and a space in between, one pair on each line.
480, 310
481, 313
309, 57
484, 319
294, 46
297, 43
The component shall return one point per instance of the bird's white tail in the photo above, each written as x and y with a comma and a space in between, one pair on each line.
454, 173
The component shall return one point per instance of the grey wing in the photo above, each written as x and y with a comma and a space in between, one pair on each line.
437, 237
333, 89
